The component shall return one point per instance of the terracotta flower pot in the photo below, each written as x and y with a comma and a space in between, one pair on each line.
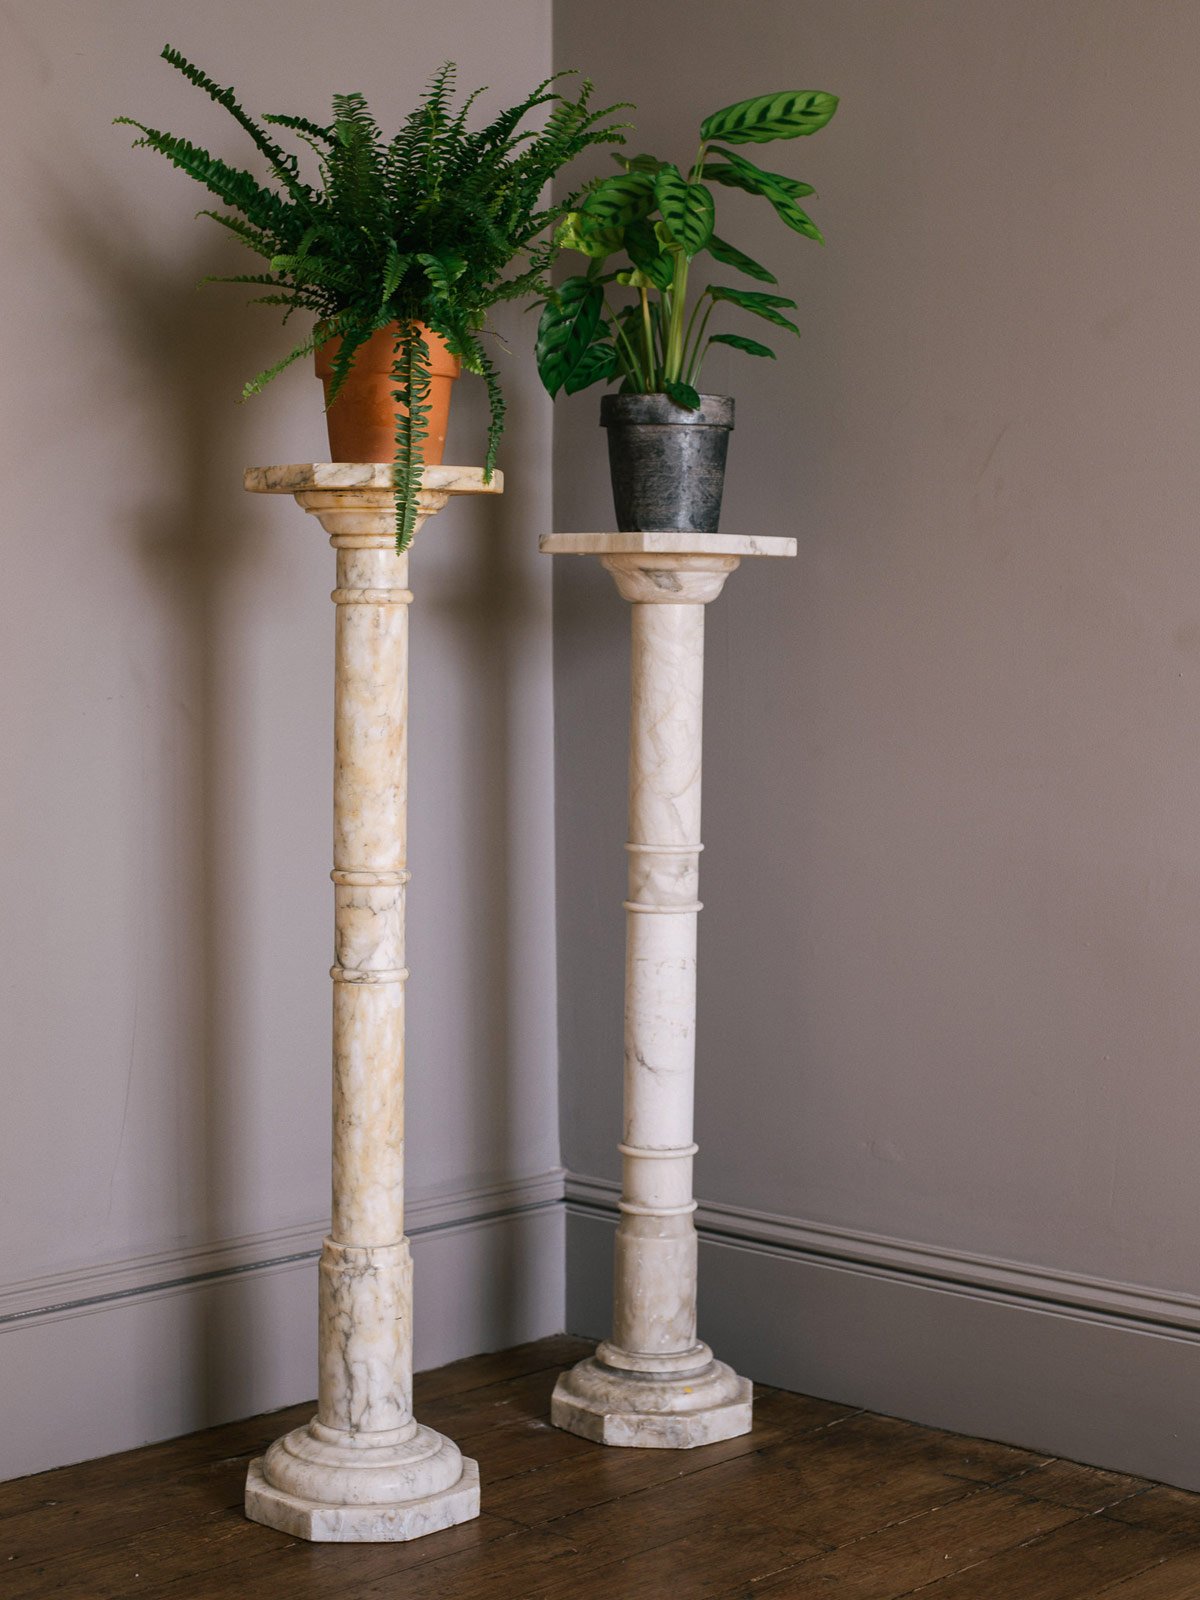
362, 420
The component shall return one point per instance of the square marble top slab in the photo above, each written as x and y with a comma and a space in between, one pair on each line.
300, 476
664, 544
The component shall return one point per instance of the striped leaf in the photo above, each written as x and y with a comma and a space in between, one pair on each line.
620, 200
730, 256
575, 232
568, 324
762, 305
648, 256
756, 176
785, 115
738, 342
799, 221
687, 210
785, 206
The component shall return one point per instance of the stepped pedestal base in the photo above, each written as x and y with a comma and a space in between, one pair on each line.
369, 1495
661, 1410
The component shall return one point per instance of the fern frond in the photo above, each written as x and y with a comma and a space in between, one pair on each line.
232, 185
355, 331
410, 373
262, 279
304, 348
283, 163
255, 238
313, 130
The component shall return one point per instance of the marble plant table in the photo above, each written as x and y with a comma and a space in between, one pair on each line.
653, 1384
364, 1468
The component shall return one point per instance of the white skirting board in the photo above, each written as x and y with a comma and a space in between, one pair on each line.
114, 1357
1098, 1372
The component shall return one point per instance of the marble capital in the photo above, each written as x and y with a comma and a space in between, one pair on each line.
355, 502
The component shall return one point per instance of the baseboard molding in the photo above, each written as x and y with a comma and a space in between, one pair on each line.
108, 1358
111, 1357
87, 1289
1102, 1372
1067, 1294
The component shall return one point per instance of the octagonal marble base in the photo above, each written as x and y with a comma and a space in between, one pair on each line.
653, 1411
362, 1524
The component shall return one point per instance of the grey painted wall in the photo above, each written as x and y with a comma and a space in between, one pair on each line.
952, 875
166, 645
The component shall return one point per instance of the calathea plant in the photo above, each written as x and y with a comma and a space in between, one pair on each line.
431, 227
641, 231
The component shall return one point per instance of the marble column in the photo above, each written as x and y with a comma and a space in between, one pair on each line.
654, 1384
364, 1468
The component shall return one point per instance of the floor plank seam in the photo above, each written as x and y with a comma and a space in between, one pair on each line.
1136, 1494
1128, 1577
882, 1507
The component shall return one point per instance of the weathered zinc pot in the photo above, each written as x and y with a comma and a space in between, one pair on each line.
667, 463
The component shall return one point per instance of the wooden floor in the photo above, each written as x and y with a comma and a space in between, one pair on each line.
819, 1500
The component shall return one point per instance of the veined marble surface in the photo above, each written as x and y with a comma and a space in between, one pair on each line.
364, 1469
684, 544
364, 475
361, 1524
654, 1385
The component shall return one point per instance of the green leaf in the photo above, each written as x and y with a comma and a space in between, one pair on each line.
641, 163
683, 395
762, 305
393, 271
443, 270
785, 115
647, 254
619, 200
761, 180
283, 162
304, 348
687, 209
411, 375
567, 327
786, 208
573, 233
799, 221
730, 256
598, 364
738, 342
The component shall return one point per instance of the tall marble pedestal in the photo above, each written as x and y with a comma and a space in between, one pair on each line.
364, 1468
653, 1384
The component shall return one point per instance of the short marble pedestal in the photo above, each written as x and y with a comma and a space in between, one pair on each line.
653, 1384
364, 1468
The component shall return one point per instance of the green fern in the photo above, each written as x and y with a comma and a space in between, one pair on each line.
410, 373
434, 226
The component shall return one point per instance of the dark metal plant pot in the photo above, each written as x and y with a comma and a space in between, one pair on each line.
667, 463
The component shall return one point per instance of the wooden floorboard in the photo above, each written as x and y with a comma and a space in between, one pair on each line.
820, 1500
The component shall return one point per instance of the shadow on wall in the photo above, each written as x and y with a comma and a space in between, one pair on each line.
484, 605
192, 539
200, 544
